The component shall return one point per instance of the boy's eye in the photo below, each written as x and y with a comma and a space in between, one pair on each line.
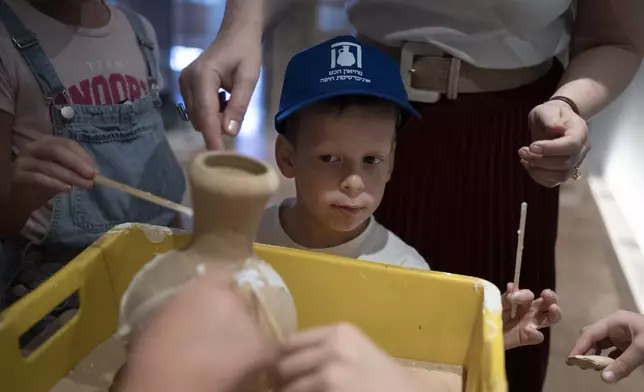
329, 158
370, 160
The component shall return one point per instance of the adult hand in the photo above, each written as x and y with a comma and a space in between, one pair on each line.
203, 339
48, 166
339, 359
232, 62
559, 143
624, 333
531, 316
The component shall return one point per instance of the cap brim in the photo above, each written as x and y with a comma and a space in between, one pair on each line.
284, 114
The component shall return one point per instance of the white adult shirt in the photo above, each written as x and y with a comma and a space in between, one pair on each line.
492, 34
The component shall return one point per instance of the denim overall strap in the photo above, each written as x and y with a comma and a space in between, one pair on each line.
29, 48
147, 47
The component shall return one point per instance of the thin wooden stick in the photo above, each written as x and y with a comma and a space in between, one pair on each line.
98, 179
519, 257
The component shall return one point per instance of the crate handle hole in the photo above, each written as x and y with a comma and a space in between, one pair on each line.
45, 328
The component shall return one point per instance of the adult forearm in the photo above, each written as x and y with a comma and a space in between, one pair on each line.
598, 75
606, 51
255, 16
247, 15
275, 11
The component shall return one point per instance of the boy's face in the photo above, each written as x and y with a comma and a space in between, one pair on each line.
341, 161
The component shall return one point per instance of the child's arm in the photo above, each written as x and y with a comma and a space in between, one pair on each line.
44, 168
11, 216
532, 315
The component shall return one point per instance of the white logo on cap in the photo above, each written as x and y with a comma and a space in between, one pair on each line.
348, 57
343, 56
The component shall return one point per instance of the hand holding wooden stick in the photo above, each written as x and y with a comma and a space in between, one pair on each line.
519, 256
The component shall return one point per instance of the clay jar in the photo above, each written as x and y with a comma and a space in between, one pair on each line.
229, 193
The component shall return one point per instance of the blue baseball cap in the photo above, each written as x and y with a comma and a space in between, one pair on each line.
337, 67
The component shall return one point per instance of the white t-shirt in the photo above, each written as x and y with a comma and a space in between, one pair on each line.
494, 34
375, 244
97, 66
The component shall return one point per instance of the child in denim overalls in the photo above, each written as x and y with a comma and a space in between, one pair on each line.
123, 140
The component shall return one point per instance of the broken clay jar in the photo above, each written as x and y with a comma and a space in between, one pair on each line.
229, 193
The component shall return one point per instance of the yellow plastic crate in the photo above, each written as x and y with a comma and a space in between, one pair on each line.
418, 315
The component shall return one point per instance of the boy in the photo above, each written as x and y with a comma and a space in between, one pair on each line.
337, 139
79, 85
340, 109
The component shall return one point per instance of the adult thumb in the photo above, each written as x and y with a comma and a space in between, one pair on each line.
623, 365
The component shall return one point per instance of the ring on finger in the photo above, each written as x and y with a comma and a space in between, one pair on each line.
578, 173
183, 112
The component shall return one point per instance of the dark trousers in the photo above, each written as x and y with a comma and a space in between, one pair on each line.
456, 192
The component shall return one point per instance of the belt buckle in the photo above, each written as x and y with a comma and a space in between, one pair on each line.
407, 53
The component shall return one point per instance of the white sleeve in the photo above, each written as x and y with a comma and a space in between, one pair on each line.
413, 259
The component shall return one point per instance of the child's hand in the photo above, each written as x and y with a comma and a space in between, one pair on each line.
51, 165
532, 315
339, 359
623, 334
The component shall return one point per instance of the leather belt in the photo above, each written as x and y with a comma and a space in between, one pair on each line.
428, 73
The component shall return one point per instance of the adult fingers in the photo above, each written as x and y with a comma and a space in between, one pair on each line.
567, 145
545, 177
631, 359
245, 81
558, 163
199, 88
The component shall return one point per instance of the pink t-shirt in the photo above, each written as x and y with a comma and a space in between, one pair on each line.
97, 66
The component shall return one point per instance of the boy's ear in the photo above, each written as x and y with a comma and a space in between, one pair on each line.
284, 155
391, 161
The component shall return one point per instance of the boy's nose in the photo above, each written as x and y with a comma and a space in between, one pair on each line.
352, 185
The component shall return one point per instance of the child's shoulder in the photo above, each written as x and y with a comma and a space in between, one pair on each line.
270, 227
392, 249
